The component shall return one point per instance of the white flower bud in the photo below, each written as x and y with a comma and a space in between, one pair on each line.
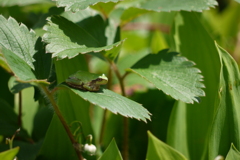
90, 149
219, 158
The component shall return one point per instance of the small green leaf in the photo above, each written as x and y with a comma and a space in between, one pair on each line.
172, 74
112, 152
114, 102
15, 86
233, 153
161, 151
177, 5
77, 5
19, 67
104, 8
65, 39
9, 154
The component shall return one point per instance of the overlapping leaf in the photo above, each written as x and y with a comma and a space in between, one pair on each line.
233, 153
188, 128
77, 5
172, 74
226, 123
17, 45
9, 154
67, 39
115, 103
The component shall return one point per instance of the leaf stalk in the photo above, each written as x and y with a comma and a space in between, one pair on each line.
62, 120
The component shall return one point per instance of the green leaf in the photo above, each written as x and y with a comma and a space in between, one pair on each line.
17, 39
233, 153
19, 67
3, 63
226, 124
114, 103
28, 150
9, 154
172, 74
190, 123
65, 39
111, 152
131, 13
177, 5
15, 86
18, 48
57, 144
159, 150
77, 5
104, 8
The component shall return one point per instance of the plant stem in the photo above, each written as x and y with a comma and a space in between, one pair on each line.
20, 109
125, 120
64, 123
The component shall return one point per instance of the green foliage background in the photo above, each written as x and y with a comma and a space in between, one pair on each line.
160, 53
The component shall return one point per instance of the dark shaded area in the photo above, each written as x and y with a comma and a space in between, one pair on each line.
222, 4
5, 93
160, 106
155, 59
43, 60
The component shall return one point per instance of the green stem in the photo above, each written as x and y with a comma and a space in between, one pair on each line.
125, 120
62, 120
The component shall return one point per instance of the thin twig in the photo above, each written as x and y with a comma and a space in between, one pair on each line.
64, 123
125, 120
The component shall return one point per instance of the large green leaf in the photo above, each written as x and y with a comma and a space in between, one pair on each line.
226, 124
233, 153
111, 152
189, 124
66, 39
18, 45
115, 103
176, 5
9, 154
77, 5
57, 144
172, 74
17, 39
161, 151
